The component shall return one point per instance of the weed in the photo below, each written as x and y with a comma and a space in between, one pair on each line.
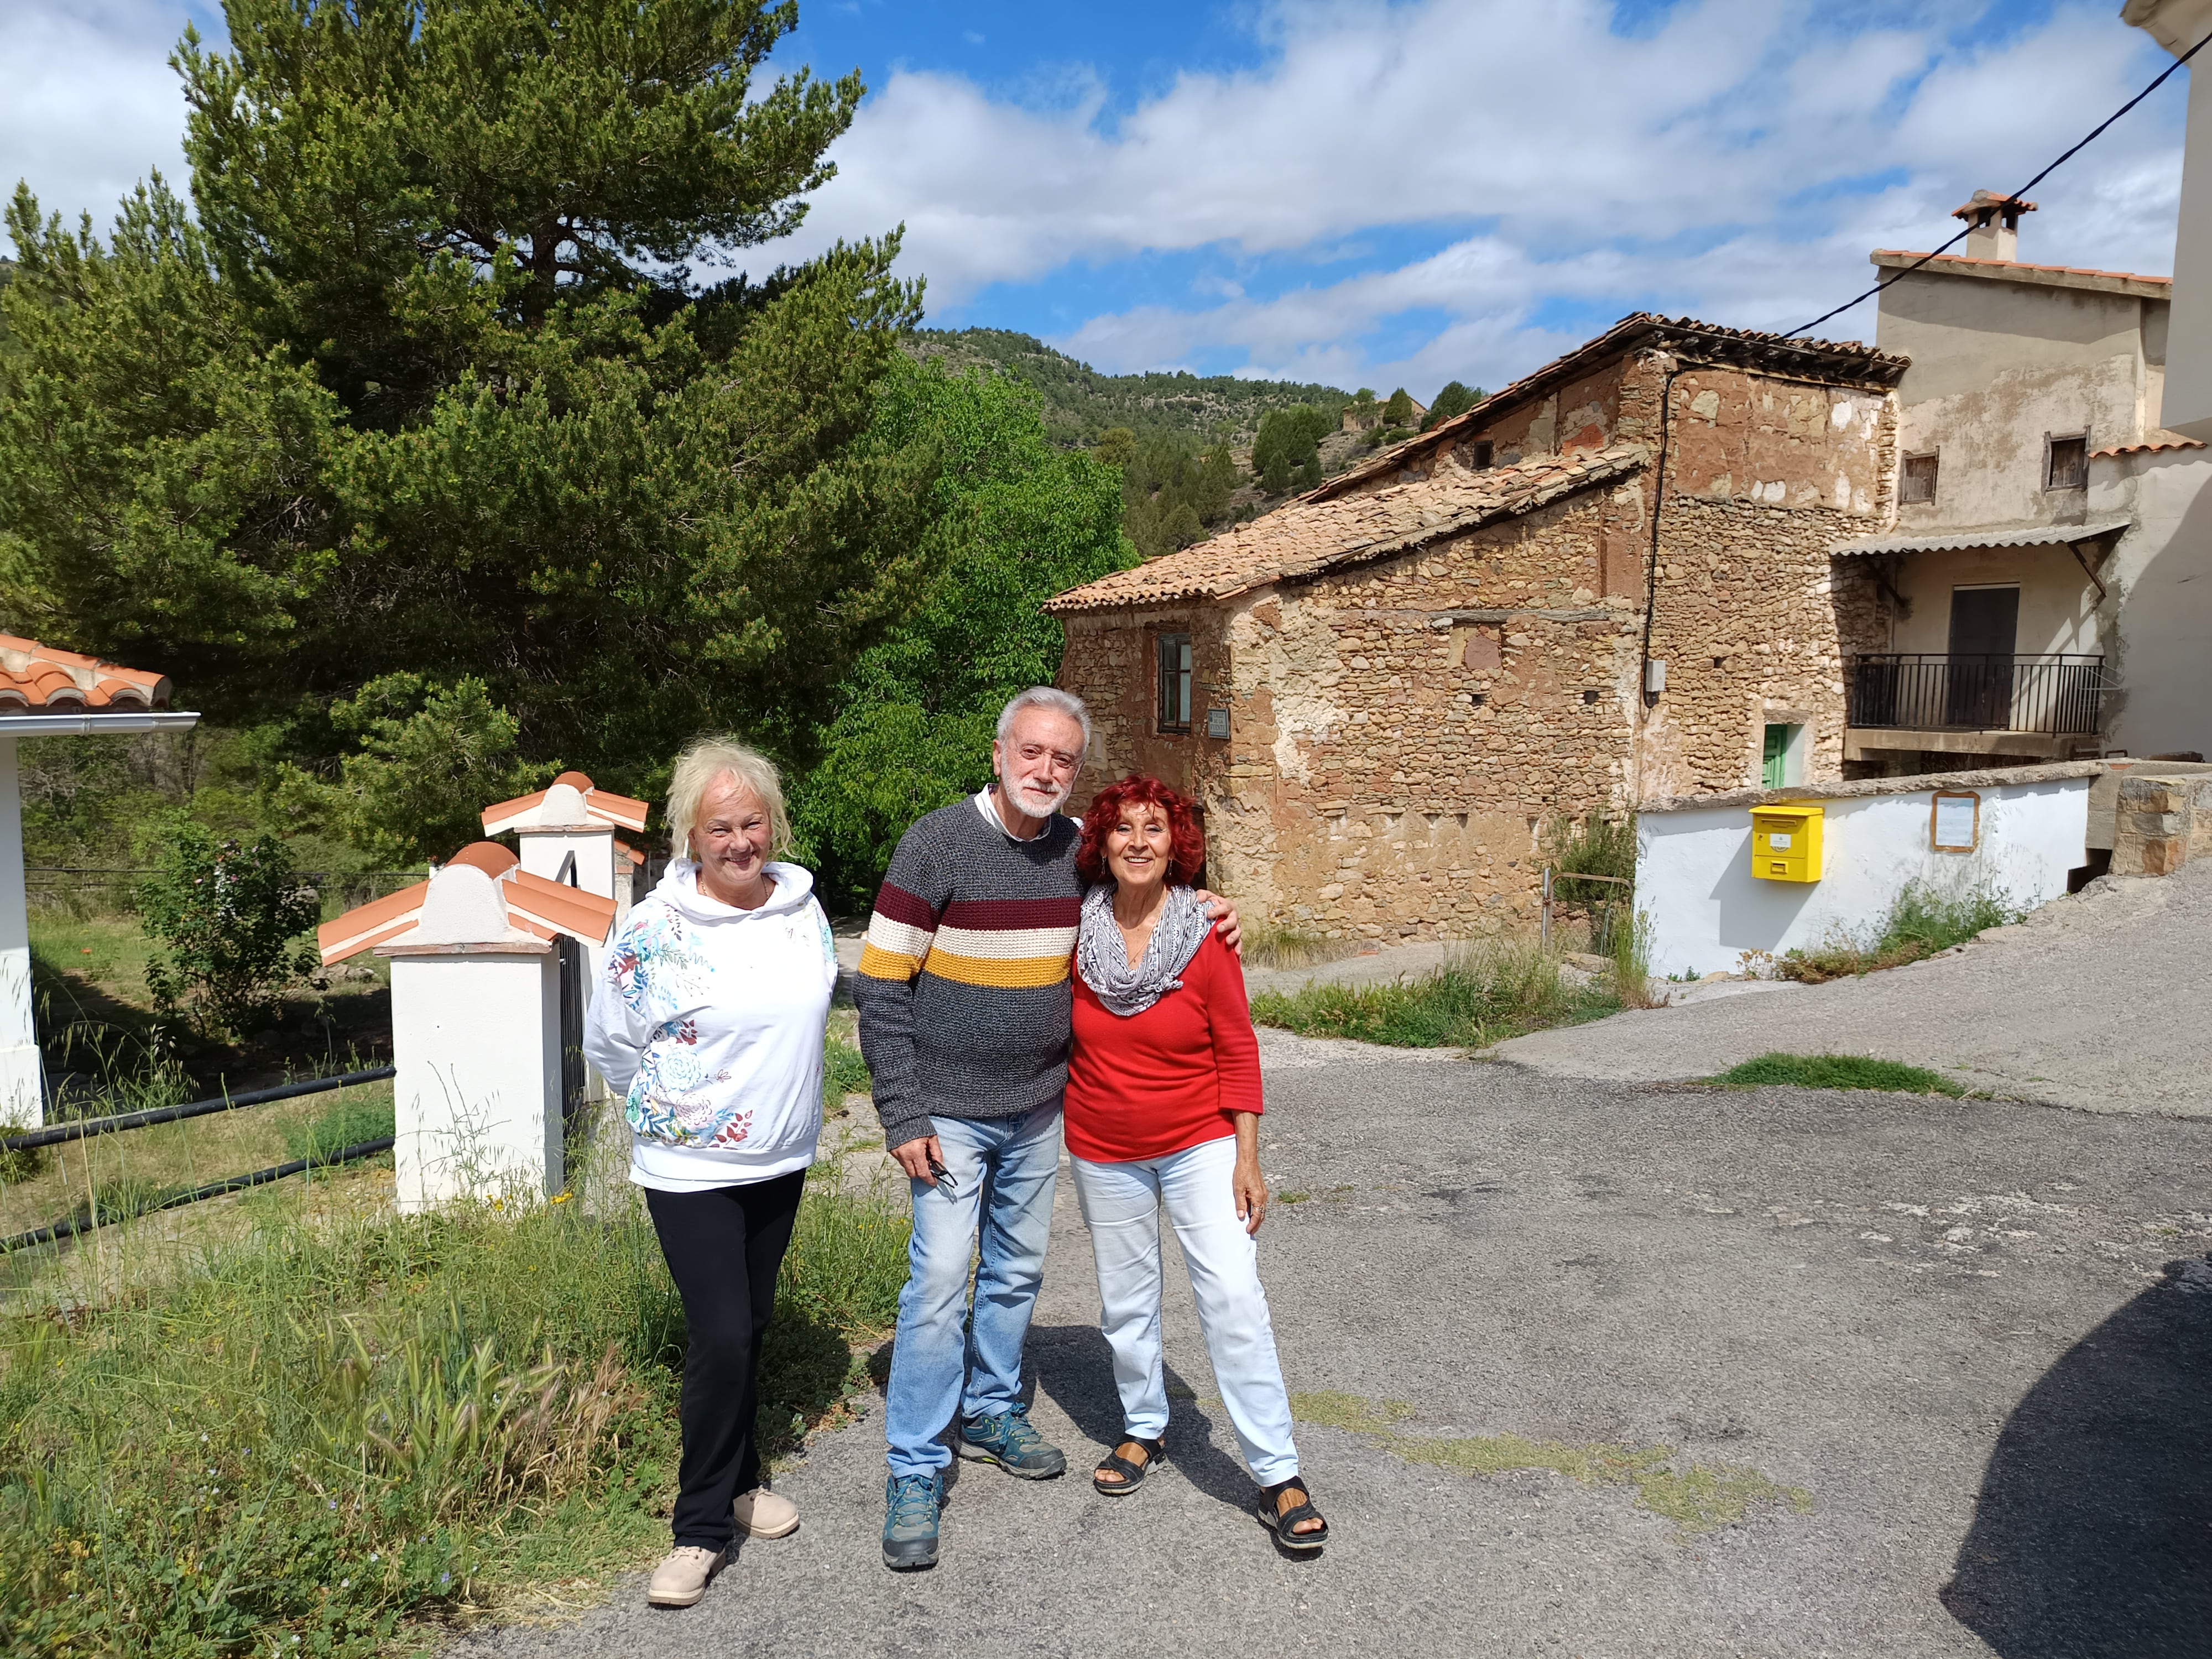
1631, 960
1922, 921
351, 1120
331, 1430
843, 1073
1263, 946
1837, 1072
1697, 1499
1485, 993
1594, 845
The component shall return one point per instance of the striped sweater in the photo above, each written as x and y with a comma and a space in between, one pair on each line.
963, 989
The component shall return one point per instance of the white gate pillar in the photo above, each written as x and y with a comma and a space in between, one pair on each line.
22, 1095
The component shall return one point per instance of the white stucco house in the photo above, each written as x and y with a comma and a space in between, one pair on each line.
2049, 561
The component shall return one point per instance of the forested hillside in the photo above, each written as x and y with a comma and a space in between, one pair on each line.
1080, 402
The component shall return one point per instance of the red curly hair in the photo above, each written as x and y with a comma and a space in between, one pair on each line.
1186, 839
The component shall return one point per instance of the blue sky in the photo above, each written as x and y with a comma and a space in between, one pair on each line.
1355, 191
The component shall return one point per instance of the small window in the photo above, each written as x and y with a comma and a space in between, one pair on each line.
1175, 682
1919, 481
2069, 464
1479, 454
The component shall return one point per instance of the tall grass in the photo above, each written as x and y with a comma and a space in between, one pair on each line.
326, 1428
1266, 946
1485, 993
1922, 920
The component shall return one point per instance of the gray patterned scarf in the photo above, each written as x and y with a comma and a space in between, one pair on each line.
1103, 960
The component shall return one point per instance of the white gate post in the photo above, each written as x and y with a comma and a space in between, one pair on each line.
22, 1096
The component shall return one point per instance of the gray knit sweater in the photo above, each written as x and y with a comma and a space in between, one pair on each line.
963, 989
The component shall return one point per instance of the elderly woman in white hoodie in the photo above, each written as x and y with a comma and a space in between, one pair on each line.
709, 1023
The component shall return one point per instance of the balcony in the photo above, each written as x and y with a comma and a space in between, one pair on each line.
2047, 706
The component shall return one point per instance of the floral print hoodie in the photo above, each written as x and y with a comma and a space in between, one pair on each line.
709, 1022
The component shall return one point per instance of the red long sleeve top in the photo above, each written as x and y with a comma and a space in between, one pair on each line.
1166, 1079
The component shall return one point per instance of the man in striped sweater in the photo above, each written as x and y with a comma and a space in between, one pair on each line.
965, 1006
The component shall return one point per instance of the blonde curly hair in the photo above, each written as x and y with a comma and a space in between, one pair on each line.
697, 769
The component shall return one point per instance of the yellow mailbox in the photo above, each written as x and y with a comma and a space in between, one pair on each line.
1785, 843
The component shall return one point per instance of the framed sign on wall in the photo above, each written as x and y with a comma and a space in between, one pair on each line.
1954, 821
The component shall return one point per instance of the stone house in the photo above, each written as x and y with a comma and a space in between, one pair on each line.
1607, 583
2051, 559
1365, 418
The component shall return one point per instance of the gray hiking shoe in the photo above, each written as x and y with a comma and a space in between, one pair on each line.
910, 1503
1008, 1440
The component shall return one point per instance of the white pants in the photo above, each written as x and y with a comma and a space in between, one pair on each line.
1121, 1204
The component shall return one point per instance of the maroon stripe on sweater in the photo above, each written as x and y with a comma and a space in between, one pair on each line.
899, 905
985, 915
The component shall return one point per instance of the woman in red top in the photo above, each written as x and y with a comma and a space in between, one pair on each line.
1164, 1114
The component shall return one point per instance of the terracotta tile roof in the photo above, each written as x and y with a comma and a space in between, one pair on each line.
624, 849
1311, 536
35, 676
1841, 359
2150, 444
534, 905
571, 799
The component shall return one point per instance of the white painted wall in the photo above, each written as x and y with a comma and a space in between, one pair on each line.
1704, 907
477, 1040
22, 1095
2178, 25
2161, 578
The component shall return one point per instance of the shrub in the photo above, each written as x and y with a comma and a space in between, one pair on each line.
1456, 398
1922, 921
1484, 994
227, 914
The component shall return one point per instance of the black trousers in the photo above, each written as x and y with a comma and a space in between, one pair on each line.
723, 1247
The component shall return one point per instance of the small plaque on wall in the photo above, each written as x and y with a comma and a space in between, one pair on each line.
1216, 722
1954, 823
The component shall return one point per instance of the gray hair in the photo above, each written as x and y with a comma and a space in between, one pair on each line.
1048, 697
700, 765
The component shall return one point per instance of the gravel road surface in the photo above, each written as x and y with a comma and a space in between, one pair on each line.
2095, 1002
1951, 1327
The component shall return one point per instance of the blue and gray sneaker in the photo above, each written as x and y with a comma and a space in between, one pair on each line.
1007, 1440
910, 1504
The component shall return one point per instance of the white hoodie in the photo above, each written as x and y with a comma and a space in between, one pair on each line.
709, 1021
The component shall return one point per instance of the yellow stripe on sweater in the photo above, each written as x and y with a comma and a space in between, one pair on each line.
1022, 972
878, 964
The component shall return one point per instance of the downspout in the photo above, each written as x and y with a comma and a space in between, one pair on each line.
1651, 574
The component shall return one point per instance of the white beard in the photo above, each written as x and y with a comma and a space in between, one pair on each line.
1038, 804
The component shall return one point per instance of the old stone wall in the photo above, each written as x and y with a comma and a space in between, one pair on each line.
1403, 734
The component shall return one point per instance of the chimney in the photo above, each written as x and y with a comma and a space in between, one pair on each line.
1993, 225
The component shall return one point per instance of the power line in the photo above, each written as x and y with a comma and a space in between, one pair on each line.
2017, 195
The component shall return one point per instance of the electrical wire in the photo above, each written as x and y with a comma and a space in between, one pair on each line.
2016, 196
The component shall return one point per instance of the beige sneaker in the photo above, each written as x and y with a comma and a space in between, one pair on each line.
682, 1578
764, 1513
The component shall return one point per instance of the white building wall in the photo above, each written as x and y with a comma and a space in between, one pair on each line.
22, 1094
2178, 25
2161, 578
1704, 909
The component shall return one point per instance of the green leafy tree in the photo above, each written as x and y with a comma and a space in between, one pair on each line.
1010, 522
229, 915
1399, 409
428, 758
1287, 451
1456, 398
427, 389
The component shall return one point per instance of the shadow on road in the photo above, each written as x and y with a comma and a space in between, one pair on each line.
1072, 1363
2091, 1538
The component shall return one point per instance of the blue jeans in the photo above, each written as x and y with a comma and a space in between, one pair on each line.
1004, 1171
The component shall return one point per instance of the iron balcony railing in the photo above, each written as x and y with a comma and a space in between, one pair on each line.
2057, 695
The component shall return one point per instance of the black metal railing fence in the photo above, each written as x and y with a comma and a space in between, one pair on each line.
2056, 695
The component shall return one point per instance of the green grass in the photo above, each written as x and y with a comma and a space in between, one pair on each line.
843, 1073
349, 1119
1488, 993
1266, 947
1837, 1072
1922, 921
339, 1425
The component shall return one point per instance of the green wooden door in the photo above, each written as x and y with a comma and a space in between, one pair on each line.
1776, 762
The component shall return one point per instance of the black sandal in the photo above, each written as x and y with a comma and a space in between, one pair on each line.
1280, 1525
1132, 1474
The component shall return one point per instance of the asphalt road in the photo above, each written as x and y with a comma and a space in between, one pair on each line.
1951, 1324
2094, 1002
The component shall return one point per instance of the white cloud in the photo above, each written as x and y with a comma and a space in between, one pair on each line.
92, 106
1739, 163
